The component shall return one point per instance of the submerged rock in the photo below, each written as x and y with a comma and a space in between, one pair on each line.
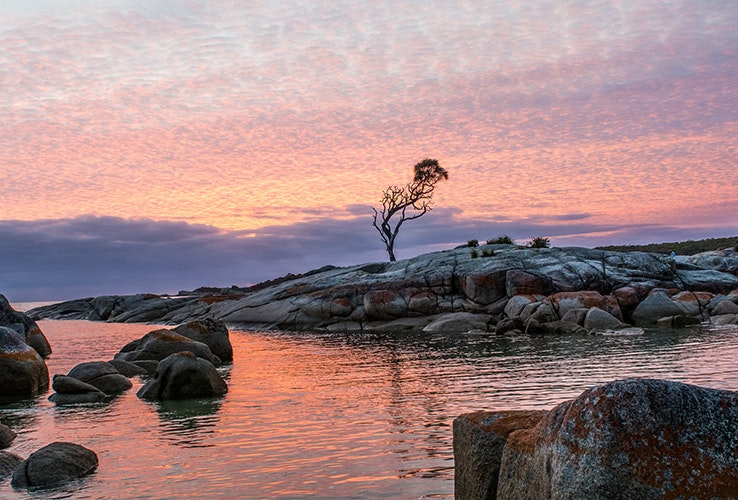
8, 463
6, 436
183, 375
53, 465
159, 344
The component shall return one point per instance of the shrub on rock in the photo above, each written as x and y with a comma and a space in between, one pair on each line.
53, 465
183, 375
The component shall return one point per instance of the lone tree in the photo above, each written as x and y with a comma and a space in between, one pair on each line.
407, 203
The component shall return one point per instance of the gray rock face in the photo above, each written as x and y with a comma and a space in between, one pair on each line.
210, 332
184, 376
654, 307
159, 344
635, 438
53, 465
368, 296
22, 371
24, 325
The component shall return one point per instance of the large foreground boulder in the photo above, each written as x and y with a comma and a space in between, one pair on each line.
635, 438
54, 464
479, 439
184, 376
210, 332
159, 344
23, 372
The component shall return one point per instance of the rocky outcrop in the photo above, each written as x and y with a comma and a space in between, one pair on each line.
634, 438
184, 376
53, 465
22, 371
525, 284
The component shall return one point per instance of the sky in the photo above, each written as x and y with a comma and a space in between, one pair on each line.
161, 145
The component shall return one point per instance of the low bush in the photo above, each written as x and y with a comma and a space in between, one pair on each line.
539, 242
501, 240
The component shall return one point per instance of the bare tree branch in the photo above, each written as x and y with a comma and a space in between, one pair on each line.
400, 204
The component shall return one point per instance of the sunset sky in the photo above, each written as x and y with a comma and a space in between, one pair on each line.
159, 145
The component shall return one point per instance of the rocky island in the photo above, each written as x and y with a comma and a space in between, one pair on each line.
494, 288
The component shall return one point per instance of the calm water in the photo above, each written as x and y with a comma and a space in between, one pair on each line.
321, 415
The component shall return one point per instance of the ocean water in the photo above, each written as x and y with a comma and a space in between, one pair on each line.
333, 415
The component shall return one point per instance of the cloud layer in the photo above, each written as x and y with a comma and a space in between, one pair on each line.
247, 118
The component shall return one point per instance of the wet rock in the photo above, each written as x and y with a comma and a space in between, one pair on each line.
129, 369
159, 344
70, 390
533, 327
516, 304
678, 321
507, 325
459, 322
6, 436
212, 333
184, 376
53, 465
478, 441
23, 373
634, 438
8, 462
101, 375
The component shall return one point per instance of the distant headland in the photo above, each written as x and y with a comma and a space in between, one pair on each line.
493, 287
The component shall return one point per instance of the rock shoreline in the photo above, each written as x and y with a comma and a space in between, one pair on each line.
508, 289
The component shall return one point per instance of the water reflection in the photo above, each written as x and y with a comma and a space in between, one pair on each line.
332, 415
188, 423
